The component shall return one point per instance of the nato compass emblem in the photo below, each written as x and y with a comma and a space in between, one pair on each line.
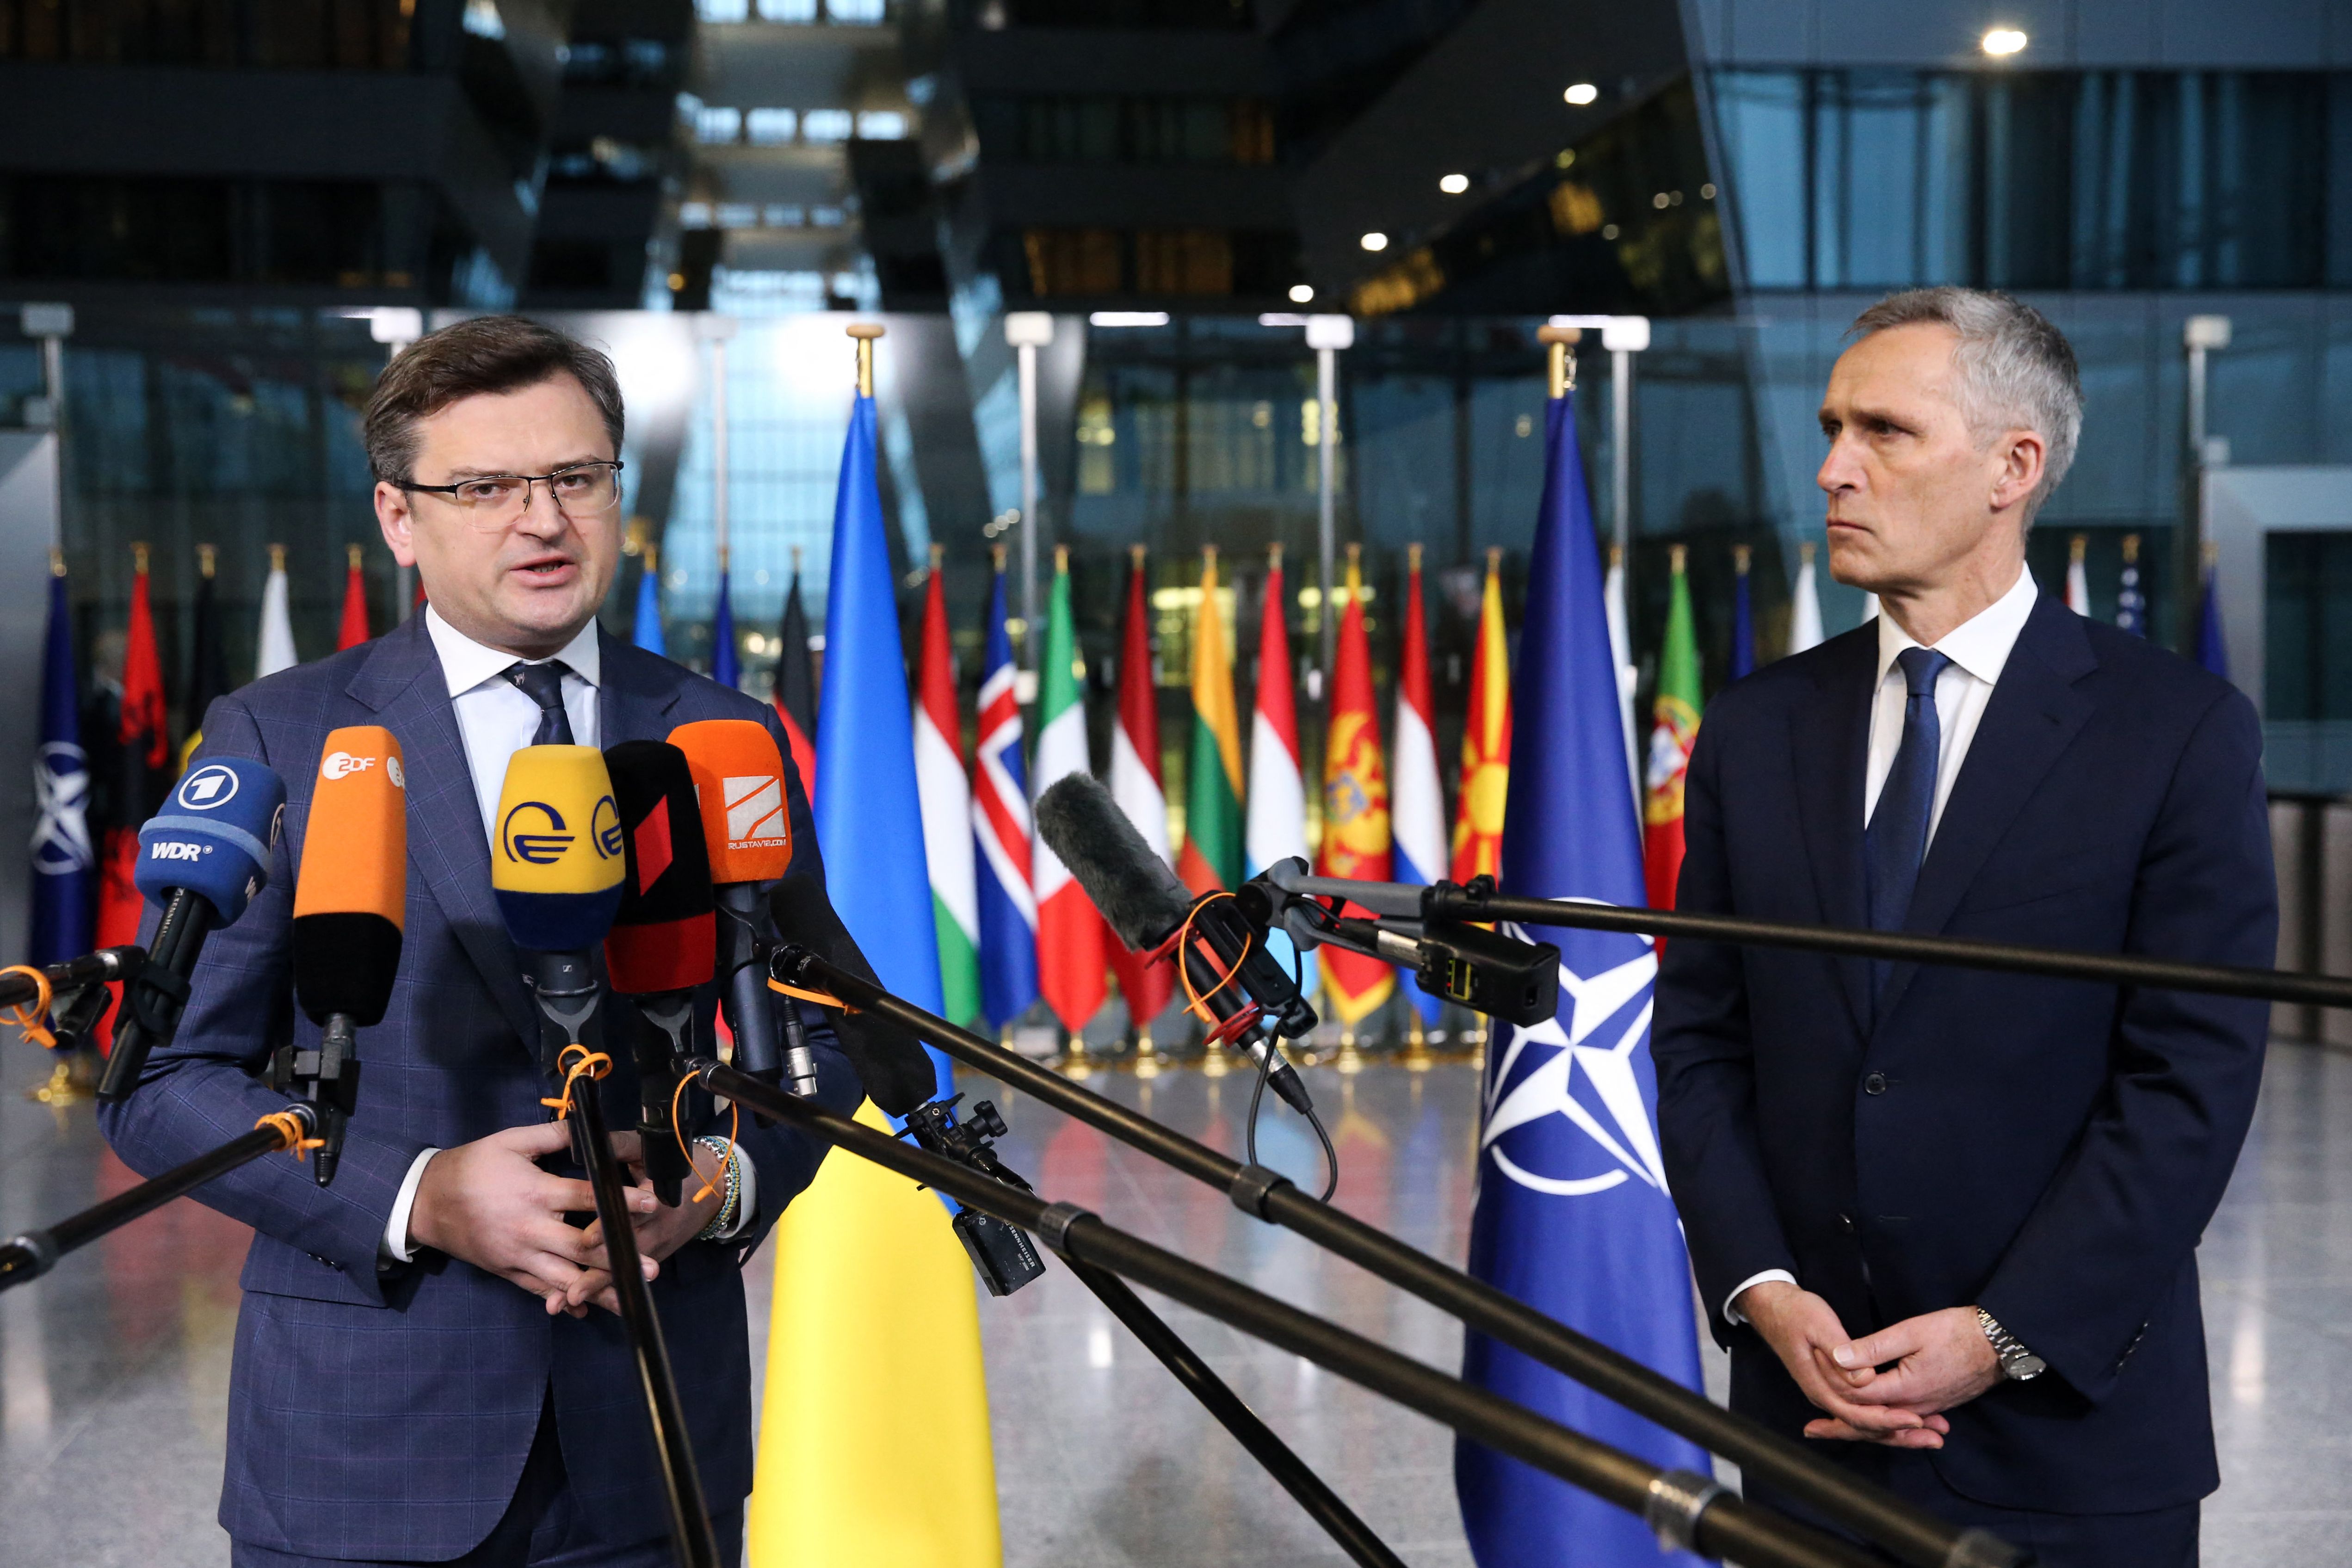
1564, 1113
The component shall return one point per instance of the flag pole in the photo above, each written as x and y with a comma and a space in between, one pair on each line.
1027, 331
1326, 335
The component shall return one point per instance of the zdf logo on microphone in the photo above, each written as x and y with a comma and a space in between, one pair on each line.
343, 764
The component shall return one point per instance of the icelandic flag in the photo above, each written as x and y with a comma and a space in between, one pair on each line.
1000, 823
65, 867
1572, 1214
1416, 804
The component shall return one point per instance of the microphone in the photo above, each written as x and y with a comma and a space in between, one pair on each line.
747, 831
1148, 910
202, 858
891, 1063
662, 944
556, 870
351, 903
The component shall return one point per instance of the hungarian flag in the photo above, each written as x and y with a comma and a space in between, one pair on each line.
353, 629
208, 661
63, 896
646, 629
796, 696
1743, 616
143, 757
1000, 824
1355, 804
1674, 726
2078, 581
1276, 824
1486, 740
940, 779
276, 638
1135, 785
1420, 800
1071, 939
1213, 791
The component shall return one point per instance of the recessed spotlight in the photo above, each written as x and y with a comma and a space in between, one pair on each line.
1302, 293
1127, 318
1374, 241
1582, 93
1455, 184
2004, 41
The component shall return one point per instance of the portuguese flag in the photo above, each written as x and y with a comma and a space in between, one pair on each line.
1674, 727
1213, 791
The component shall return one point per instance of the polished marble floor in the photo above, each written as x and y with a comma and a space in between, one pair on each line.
113, 1370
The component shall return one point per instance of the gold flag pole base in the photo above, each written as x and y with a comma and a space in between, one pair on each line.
1215, 1060
1347, 1058
1076, 1063
1417, 1056
1147, 1056
72, 1080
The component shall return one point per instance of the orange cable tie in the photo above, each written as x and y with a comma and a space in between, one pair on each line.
287, 1125
591, 1064
819, 998
32, 1017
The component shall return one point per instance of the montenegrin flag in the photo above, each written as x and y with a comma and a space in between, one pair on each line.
1135, 785
1275, 827
1355, 804
1674, 727
940, 779
1000, 825
353, 630
1071, 942
1213, 790
1486, 740
1418, 805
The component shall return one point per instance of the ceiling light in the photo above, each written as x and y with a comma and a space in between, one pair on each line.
1455, 184
1374, 241
2003, 41
1127, 318
1302, 293
1582, 93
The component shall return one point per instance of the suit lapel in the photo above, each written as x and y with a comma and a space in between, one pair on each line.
1830, 744
448, 851
2034, 714
636, 692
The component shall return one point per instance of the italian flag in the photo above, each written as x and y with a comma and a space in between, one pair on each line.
1486, 740
1674, 726
1355, 804
945, 792
1071, 939
1134, 786
1213, 792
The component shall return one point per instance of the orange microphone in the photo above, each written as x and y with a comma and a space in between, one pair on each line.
747, 827
351, 900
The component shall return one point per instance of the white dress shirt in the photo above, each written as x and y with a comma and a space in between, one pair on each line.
1979, 648
495, 720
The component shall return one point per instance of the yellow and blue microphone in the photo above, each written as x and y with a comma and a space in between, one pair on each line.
557, 856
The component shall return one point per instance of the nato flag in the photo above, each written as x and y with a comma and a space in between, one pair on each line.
1572, 1214
64, 880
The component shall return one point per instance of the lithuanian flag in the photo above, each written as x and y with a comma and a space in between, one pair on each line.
1213, 790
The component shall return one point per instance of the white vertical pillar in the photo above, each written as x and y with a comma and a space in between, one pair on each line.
1027, 331
1326, 335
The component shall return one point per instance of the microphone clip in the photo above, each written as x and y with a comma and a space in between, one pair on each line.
327, 1080
1002, 1254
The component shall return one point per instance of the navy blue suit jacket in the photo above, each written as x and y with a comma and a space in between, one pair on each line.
2048, 1150
387, 1415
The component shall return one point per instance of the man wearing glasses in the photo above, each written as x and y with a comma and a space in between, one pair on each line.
422, 1373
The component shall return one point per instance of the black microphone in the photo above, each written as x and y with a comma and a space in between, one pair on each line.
202, 858
1147, 907
891, 1063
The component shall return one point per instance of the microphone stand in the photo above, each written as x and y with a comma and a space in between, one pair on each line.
1912, 1534
566, 988
36, 1252
1686, 1510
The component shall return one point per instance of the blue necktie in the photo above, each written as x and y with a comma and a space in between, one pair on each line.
1896, 839
543, 684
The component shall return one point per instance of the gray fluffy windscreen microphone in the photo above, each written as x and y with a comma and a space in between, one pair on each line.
1132, 886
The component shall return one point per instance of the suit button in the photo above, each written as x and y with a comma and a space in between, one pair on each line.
1875, 1084
1846, 1223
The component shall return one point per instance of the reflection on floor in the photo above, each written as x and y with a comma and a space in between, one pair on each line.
114, 1369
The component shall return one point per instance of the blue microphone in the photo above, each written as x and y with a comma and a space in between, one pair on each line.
202, 858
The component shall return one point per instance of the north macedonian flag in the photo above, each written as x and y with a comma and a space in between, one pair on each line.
1355, 805
1486, 740
1673, 729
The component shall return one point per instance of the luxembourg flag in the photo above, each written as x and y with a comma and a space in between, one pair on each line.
1275, 825
947, 812
1416, 801
1000, 826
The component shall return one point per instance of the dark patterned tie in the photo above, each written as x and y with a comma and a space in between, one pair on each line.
1897, 840
543, 684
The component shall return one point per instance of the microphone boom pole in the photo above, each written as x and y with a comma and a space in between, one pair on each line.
1689, 1509
1912, 1534
18, 988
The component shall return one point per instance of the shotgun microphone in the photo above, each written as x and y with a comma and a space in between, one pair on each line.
662, 945
746, 828
556, 870
1148, 908
350, 901
202, 858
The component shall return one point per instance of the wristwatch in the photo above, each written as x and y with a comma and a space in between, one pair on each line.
2017, 1364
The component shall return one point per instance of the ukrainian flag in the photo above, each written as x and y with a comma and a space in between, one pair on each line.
874, 1442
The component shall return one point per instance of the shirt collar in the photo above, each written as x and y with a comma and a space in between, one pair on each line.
466, 664
1980, 645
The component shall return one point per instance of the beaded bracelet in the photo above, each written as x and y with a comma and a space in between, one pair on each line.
721, 1222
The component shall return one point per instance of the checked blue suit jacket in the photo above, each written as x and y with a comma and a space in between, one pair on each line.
386, 1413
2048, 1149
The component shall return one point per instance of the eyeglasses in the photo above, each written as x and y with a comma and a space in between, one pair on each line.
583, 492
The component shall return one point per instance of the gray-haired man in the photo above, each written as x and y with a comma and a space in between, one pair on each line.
1946, 1221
